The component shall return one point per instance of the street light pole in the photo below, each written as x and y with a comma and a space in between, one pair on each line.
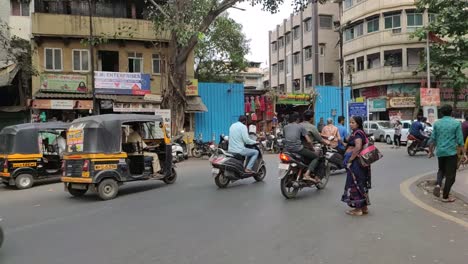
91, 51
315, 42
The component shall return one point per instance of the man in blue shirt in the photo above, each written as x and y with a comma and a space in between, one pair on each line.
238, 138
343, 133
417, 130
447, 138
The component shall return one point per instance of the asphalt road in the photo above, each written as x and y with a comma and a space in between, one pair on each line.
193, 221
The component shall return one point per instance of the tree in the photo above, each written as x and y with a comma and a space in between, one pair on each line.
221, 52
186, 21
449, 58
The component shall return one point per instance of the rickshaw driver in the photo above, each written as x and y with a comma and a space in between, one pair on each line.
135, 137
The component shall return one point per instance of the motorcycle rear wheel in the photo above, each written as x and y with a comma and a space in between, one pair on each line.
221, 180
197, 153
325, 173
411, 149
286, 185
261, 174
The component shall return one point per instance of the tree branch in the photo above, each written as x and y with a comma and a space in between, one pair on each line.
159, 8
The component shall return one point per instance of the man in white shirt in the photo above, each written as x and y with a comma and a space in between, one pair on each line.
135, 137
61, 142
253, 128
238, 138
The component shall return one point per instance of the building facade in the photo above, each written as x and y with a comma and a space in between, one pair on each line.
129, 59
291, 51
381, 60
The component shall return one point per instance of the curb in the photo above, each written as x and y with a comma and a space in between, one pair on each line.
459, 195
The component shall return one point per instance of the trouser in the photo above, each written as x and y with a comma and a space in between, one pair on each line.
251, 155
155, 161
310, 155
397, 140
424, 141
448, 169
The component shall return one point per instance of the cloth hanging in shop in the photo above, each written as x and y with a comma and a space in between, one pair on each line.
262, 104
247, 105
257, 102
252, 104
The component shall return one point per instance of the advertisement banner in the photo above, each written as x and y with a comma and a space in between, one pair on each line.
402, 90
166, 115
430, 96
62, 104
402, 102
431, 113
401, 114
374, 92
122, 83
358, 109
191, 88
377, 105
64, 83
75, 137
135, 107
293, 99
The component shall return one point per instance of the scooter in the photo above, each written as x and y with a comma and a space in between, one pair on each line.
270, 143
335, 157
179, 148
230, 167
414, 146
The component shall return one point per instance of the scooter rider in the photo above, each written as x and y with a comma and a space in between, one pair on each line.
417, 131
238, 138
293, 134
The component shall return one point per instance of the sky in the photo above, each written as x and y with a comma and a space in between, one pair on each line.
256, 24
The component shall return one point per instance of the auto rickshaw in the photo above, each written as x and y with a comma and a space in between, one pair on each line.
100, 158
30, 152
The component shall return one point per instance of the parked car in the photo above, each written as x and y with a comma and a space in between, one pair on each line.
382, 130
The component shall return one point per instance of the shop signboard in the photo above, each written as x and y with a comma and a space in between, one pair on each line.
122, 83
430, 97
377, 105
402, 102
166, 115
357, 109
401, 90
64, 83
135, 107
191, 87
374, 92
62, 104
293, 99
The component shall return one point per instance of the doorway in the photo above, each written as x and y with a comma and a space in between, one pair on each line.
108, 61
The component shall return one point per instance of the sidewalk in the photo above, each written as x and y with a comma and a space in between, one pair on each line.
461, 184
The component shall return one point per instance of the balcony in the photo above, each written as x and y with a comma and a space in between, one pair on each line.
370, 7
77, 26
384, 75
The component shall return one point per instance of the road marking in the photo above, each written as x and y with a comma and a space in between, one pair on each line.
406, 192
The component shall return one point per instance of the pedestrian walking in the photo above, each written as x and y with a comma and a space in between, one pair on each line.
331, 130
447, 139
397, 135
358, 179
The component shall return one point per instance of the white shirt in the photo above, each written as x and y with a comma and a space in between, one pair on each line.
253, 129
61, 143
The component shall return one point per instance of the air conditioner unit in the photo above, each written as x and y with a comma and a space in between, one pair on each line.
396, 30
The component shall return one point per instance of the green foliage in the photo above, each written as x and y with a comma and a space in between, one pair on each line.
449, 60
220, 53
121, 32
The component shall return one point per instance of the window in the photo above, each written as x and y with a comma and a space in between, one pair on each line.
297, 57
281, 42
281, 66
135, 62
308, 80
392, 21
358, 30
432, 17
296, 32
281, 88
374, 126
288, 38
288, 64
373, 25
81, 60
360, 64
308, 24
348, 3
308, 53
157, 64
349, 34
414, 21
274, 45
322, 50
19, 8
53, 59
274, 69
326, 21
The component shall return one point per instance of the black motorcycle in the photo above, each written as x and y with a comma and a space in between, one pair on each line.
223, 142
230, 167
335, 158
201, 148
293, 166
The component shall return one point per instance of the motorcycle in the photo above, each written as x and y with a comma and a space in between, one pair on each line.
179, 149
270, 143
292, 167
334, 157
230, 167
223, 142
201, 148
414, 146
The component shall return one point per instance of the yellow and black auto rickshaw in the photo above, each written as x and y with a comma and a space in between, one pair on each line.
102, 154
31, 152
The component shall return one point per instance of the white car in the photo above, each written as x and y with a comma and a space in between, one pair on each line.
384, 131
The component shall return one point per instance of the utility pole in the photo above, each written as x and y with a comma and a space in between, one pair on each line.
315, 17
91, 51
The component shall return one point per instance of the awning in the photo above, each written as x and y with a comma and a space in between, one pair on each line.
12, 109
195, 105
7, 74
121, 98
63, 95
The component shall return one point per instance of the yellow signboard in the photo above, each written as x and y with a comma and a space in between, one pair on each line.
105, 167
191, 87
24, 164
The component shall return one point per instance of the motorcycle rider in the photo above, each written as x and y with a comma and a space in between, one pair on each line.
238, 138
293, 134
308, 124
417, 131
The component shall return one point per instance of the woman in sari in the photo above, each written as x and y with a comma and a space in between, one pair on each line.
358, 178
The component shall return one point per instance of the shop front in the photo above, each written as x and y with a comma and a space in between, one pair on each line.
66, 110
259, 108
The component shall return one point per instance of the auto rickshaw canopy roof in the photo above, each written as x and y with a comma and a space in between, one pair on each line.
103, 133
23, 138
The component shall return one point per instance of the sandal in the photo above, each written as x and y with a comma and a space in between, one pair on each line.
449, 200
354, 212
365, 211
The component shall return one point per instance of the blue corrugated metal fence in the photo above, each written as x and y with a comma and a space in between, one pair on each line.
329, 99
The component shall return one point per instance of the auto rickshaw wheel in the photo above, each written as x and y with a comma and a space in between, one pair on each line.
24, 181
76, 192
171, 178
108, 189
